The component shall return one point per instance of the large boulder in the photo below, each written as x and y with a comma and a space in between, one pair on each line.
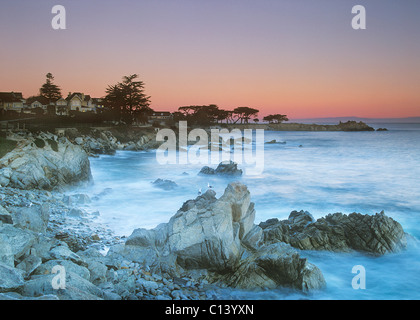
219, 236
10, 278
45, 162
33, 218
19, 240
376, 234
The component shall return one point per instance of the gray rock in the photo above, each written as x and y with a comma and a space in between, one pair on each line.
20, 240
76, 199
37, 167
5, 175
76, 288
10, 278
226, 168
6, 253
76, 213
34, 218
5, 216
377, 234
164, 184
29, 264
273, 266
147, 285
219, 235
64, 253
47, 267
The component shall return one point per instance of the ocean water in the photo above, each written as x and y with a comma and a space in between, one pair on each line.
320, 172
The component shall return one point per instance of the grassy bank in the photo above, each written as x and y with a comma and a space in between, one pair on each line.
6, 146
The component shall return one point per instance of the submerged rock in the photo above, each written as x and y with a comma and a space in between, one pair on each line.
164, 184
226, 168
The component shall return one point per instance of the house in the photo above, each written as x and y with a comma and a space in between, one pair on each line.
80, 102
98, 103
61, 107
11, 101
37, 102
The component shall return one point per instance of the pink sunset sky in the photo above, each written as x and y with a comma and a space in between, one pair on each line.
299, 58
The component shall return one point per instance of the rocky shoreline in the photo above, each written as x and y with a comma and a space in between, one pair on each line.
209, 244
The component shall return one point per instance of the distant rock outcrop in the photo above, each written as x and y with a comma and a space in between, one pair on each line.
164, 184
226, 168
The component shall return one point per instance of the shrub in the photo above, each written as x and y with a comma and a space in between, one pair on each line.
53, 144
39, 143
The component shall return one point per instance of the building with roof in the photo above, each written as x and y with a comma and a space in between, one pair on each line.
11, 101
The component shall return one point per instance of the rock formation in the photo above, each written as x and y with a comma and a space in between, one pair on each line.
376, 234
44, 162
226, 168
219, 236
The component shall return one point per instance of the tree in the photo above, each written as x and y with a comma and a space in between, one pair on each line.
127, 99
49, 90
200, 115
276, 118
245, 113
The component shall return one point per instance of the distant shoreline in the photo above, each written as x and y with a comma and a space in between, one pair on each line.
350, 126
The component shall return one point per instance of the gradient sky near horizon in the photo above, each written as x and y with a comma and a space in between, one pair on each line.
296, 57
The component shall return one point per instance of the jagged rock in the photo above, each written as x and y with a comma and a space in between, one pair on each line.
34, 218
47, 267
226, 168
219, 235
64, 253
6, 253
19, 240
76, 199
29, 264
10, 278
76, 288
377, 234
5, 216
274, 265
45, 163
5, 175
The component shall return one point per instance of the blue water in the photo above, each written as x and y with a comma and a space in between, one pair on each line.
320, 172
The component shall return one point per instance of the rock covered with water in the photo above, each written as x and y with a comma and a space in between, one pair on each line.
44, 162
164, 184
377, 234
226, 168
219, 237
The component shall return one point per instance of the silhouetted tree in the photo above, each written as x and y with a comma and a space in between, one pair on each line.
127, 99
199, 115
276, 118
49, 90
245, 113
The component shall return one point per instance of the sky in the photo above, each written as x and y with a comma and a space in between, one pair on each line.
301, 58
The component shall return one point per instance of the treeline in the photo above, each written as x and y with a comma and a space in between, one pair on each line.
127, 102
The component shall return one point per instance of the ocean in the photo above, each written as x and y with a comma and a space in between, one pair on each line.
319, 172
